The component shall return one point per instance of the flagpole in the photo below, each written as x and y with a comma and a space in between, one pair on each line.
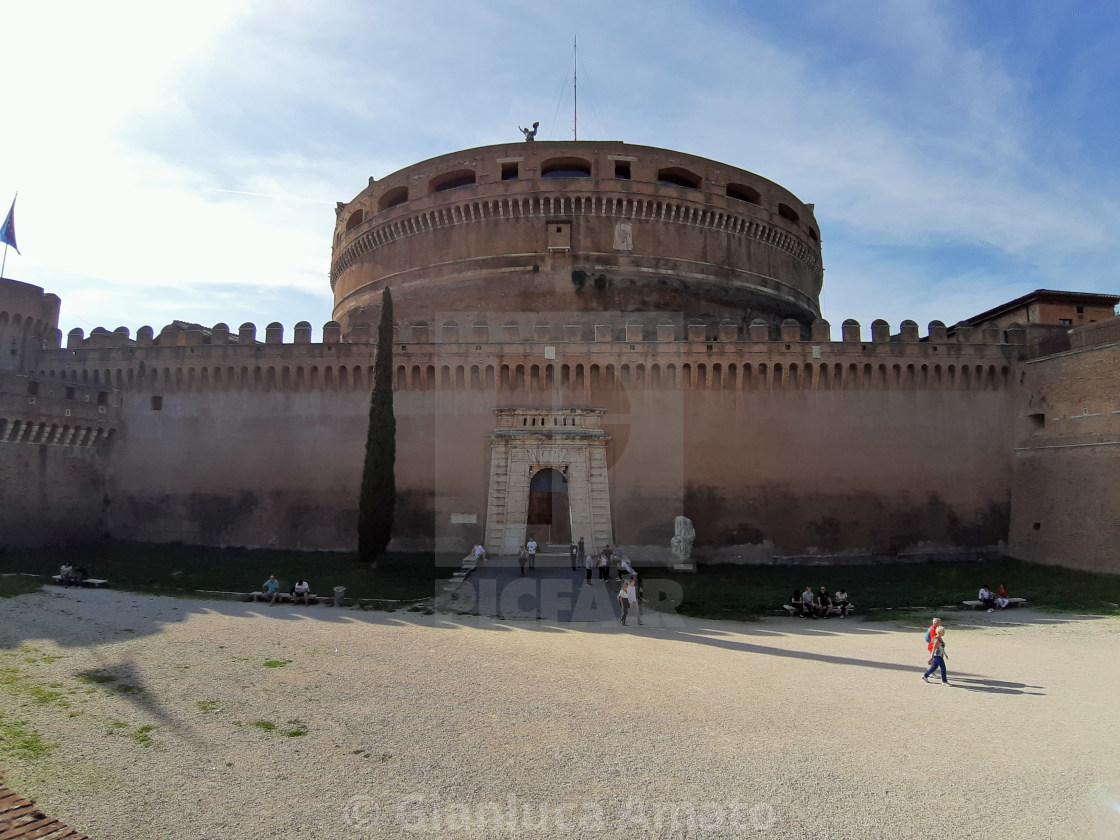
8, 235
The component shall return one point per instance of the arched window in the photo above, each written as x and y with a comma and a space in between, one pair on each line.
451, 180
356, 218
566, 168
787, 212
675, 176
392, 198
744, 193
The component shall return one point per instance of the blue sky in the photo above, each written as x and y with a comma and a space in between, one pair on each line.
959, 154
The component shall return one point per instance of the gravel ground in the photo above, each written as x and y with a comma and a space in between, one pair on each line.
396, 724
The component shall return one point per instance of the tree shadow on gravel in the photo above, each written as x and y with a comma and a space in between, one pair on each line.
84, 618
125, 680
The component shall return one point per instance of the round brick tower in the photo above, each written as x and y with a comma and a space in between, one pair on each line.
580, 228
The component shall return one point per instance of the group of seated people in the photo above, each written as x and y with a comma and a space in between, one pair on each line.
808, 604
69, 576
992, 599
300, 591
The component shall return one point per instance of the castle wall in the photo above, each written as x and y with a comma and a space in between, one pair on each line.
1067, 458
762, 450
50, 494
813, 446
55, 439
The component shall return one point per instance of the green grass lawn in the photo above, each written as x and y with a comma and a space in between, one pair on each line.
182, 569
725, 591
12, 585
746, 592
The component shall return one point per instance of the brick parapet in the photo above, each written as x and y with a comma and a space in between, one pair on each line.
703, 363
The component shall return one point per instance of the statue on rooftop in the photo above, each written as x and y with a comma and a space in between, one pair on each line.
530, 133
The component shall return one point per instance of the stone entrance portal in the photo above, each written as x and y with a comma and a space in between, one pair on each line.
568, 441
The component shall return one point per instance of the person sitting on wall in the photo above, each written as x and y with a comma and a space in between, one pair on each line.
66, 575
823, 603
797, 604
479, 553
301, 590
1003, 597
624, 568
987, 598
271, 589
840, 601
808, 602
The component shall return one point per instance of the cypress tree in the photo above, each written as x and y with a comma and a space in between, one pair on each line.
379, 487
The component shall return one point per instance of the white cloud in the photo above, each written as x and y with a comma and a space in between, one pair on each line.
908, 125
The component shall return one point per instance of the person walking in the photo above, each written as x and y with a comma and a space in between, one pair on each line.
532, 546
931, 633
522, 558
937, 659
588, 564
603, 567
624, 600
573, 552
632, 593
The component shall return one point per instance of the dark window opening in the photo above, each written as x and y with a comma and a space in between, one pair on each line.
102, 398
1081, 310
454, 180
1038, 422
69, 393
813, 235
157, 403
1038, 526
356, 218
568, 168
678, 178
33, 389
622, 169
744, 193
393, 198
1066, 322
509, 172
787, 212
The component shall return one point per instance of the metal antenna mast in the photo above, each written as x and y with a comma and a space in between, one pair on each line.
575, 89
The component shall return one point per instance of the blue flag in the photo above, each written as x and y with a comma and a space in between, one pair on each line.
8, 232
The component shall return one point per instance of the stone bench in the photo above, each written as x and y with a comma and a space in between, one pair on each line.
94, 582
281, 597
792, 610
1011, 602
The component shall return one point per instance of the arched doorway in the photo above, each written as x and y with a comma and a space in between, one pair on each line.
550, 519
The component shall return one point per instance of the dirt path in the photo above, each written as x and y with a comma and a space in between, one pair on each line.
171, 724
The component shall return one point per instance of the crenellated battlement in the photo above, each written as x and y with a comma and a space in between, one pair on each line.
504, 329
509, 356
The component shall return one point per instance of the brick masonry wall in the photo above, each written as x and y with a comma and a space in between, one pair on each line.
1065, 507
